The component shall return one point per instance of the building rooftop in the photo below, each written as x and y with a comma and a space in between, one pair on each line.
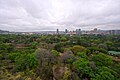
113, 52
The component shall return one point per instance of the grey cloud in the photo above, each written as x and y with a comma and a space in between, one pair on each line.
29, 15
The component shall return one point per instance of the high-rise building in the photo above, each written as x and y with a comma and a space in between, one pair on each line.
78, 31
66, 31
95, 29
114, 32
57, 31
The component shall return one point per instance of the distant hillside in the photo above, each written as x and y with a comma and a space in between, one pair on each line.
2, 31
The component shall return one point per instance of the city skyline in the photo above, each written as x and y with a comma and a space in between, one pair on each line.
42, 15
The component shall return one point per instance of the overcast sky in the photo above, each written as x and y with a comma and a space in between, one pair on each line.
35, 15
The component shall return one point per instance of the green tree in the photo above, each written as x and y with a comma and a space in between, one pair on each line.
82, 55
105, 73
68, 58
1, 56
102, 46
75, 49
25, 61
102, 60
59, 47
82, 67
55, 53
12, 56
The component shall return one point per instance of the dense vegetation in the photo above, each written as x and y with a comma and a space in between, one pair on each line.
59, 57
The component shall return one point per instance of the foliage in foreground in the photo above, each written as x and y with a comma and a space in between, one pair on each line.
59, 57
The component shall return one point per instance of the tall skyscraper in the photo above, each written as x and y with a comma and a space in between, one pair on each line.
66, 31
57, 31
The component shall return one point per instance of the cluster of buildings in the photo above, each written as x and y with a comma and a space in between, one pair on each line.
94, 31
68, 32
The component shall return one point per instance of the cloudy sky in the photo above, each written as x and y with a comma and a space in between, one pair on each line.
36, 15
